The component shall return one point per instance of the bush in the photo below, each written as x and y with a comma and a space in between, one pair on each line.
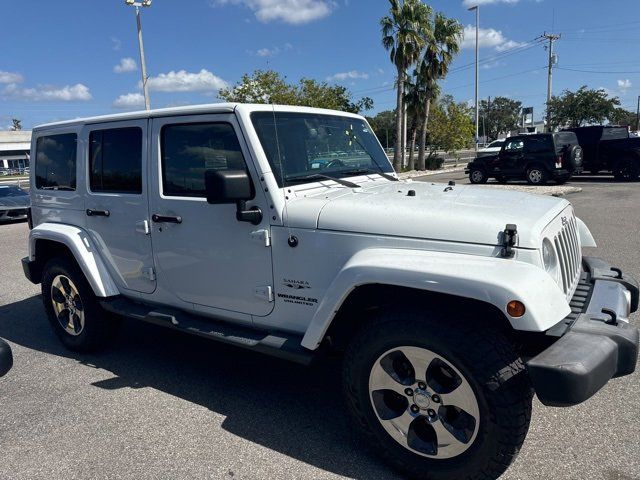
434, 162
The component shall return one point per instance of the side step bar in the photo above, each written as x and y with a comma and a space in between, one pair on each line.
278, 344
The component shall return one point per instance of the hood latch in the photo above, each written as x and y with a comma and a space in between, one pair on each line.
509, 240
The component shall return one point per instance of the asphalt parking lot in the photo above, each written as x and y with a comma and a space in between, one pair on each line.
161, 405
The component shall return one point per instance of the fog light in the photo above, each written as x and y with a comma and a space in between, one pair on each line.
515, 308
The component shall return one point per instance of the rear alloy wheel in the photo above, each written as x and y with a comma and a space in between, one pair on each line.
73, 309
537, 175
627, 170
477, 176
437, 398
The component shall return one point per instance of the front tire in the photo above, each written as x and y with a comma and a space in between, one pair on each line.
436, 398
478, 176
72, 307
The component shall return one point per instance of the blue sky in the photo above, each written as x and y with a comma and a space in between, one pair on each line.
64, 59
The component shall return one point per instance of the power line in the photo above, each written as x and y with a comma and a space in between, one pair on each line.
597, 71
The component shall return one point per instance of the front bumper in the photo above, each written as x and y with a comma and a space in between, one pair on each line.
596, 342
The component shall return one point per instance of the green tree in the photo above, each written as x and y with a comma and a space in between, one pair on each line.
16, 124
441, 48
404, 33
383, 125
268, 86
451, 127
584, 106
624, 117
500, 116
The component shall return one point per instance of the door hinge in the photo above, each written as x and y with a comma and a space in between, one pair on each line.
143, 227
265, 293
262, 236
150, 273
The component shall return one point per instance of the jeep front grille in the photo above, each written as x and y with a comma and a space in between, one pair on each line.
569, 254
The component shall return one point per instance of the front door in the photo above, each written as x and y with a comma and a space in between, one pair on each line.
512, 156
117, 207
204, 255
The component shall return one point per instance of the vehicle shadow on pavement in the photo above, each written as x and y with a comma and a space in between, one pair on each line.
296, 411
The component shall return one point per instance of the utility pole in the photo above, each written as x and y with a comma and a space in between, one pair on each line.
552, 38
638, 116
143, 64
477, 9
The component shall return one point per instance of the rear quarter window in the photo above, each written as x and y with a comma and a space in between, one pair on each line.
563, 139
538, 144
56, 162
614, 133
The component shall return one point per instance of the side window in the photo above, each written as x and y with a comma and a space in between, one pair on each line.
538, 144
115, 160
188, 150
514, 146
56, 162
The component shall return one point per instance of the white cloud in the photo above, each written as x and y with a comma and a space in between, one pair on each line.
487, 38
126, 65
183, 81
116, 43
351, 75
10, 77
624, 85
471, 3
68, 93
295, 12
129, 101
272, 52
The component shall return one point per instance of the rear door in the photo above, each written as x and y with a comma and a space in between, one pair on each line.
117, 210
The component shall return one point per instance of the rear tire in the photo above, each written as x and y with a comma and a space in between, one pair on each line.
478, 176
467, 363
627, 170
72, 307
537, 175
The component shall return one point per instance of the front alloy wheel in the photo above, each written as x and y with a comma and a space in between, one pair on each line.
424, 402
537, 176
437, 397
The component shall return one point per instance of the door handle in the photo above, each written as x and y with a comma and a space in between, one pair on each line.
97, 213
166, 218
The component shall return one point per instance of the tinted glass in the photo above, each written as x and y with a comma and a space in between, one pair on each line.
56, 162
514, 145
299, 145
12, 191
614, 133
115, 160
189, 150
538, 144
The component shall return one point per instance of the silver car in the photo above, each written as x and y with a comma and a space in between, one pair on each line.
14, 202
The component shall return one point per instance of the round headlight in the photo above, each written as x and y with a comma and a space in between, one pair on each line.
549, 257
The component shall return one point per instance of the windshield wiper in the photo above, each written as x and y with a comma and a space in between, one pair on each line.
357, 171
315, 176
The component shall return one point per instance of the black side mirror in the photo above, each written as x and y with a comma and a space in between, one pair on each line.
232, 186
6, 358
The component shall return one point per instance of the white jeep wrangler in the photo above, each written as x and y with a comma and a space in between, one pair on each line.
286, 231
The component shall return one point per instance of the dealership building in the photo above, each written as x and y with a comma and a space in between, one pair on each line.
14, 149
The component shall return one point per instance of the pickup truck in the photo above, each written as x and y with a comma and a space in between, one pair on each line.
611, 149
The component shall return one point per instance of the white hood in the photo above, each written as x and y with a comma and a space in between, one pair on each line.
468, 214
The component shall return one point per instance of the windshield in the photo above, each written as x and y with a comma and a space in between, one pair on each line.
12, 191
308, 144
615, 133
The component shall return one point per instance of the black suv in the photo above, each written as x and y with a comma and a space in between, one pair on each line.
536, 158
608, 148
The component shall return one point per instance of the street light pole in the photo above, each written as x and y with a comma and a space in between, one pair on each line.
143, 64
477, 9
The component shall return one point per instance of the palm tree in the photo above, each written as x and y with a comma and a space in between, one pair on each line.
404, 32
440, 49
